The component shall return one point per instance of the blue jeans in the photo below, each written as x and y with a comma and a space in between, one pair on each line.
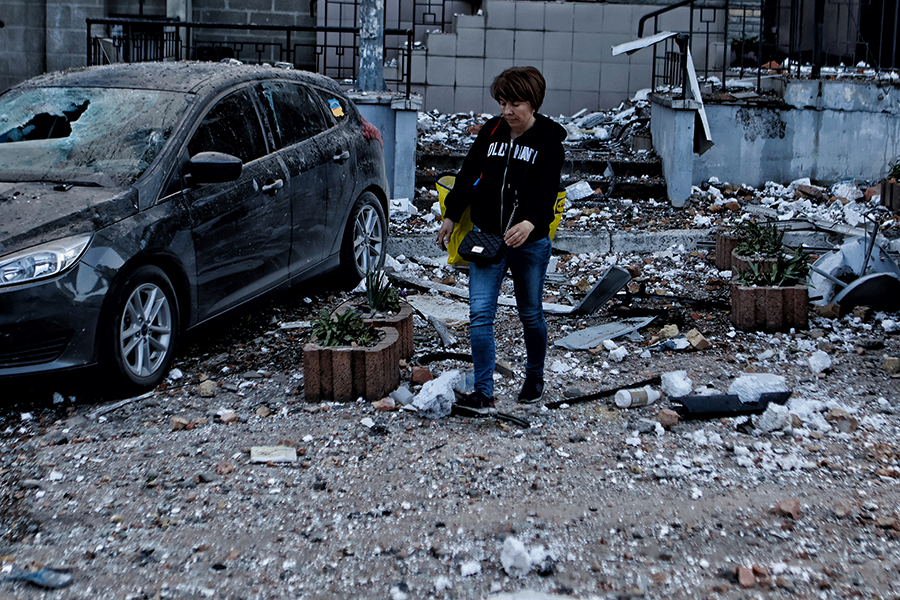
528, 266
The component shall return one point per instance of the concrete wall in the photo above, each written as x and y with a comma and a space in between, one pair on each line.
22, 40
570, 42
827, 131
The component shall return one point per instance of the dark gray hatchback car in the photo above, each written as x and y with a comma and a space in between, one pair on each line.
138, 201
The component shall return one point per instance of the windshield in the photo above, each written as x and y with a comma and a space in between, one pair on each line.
97, 136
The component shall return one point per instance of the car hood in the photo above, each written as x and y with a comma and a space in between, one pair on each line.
34, 213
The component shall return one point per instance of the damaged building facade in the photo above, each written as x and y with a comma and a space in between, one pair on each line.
448, 51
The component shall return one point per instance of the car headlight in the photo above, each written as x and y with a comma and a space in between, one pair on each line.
42, 261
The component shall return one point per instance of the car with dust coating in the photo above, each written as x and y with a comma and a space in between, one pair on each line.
140, 201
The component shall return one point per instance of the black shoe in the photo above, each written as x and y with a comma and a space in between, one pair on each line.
532, 389
477, 402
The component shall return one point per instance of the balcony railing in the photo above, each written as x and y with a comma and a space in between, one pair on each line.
331, 51
739, 38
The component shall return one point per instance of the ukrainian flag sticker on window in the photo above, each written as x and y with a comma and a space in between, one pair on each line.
336, 108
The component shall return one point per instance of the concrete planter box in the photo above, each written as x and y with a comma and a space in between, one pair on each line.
402, 321
726, 242
344, 373
770, 309
890, 194
741, 263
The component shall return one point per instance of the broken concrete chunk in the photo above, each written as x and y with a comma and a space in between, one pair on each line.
842, 420
788, 508
668, 331
697, 341
819, 361
891, 364
276, 454
435, 400
668, 418
750, 387
776, 417
676, 384
829, 311
745, 577
579, 190
207, 388
421, 374
515, 558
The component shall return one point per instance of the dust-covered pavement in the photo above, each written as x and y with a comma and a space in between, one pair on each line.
157, 498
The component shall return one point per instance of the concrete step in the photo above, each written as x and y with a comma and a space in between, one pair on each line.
629, 177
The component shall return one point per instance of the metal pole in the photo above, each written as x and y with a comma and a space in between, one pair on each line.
894, 48
371, 46
818, 39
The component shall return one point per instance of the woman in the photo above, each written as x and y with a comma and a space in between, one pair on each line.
510, 179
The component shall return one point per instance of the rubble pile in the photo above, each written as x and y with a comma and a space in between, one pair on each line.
225, 483
165, 496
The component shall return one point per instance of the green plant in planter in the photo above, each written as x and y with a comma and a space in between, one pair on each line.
381, 296
786, 271
343, 329
759, 240
894, 170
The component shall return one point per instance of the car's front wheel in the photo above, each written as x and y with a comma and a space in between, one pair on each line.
364, 246
141, 330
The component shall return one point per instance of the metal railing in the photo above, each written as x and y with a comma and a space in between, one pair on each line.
704, 35
331, 51
756, 36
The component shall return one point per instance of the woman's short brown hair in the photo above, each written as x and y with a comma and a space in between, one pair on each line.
520, 84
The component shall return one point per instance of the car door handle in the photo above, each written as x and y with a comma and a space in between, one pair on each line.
271, 188
342, 156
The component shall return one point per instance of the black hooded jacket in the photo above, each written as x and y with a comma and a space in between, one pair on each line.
527, 169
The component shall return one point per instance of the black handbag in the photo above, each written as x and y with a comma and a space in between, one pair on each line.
482, 247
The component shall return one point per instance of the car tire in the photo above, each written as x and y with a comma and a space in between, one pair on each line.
364, 246
141, 330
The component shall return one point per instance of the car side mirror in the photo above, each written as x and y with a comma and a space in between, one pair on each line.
213, 167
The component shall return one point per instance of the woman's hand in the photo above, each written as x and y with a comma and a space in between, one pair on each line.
443, 234
518, 234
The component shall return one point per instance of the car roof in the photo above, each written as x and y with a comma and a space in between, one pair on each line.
181, 76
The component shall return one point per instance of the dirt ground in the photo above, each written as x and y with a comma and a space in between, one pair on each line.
157, 498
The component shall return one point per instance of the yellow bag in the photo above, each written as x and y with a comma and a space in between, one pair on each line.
444, 183
558, 211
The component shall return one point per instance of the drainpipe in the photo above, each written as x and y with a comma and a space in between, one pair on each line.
371, 46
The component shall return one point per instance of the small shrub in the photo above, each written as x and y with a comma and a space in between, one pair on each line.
381, 296
894, 170
344, 329
786, 271
759, 240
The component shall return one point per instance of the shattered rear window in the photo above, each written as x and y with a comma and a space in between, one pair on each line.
84, 135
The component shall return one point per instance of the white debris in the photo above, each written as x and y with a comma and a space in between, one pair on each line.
559, 366
676, 384
749, 387
618, 354
435, 400
515, 558
775, 418
442, 583
473, 567
847, 189
579, 190
819, 361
